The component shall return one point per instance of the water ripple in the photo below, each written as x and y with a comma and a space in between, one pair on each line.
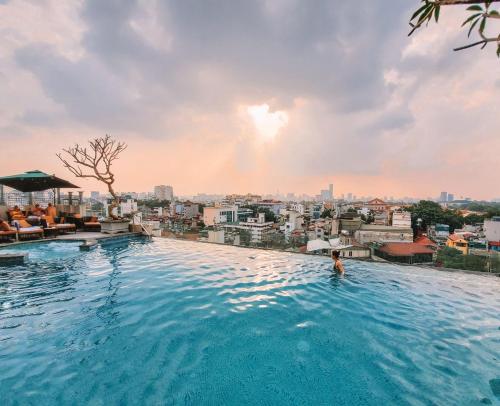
180, 322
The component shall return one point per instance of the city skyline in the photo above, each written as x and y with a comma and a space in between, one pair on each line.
272, 101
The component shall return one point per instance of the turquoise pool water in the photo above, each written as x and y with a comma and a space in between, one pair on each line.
171, 322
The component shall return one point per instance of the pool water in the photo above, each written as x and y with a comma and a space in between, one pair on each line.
174, 322
46, 251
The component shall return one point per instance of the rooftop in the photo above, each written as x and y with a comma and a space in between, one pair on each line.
456, 237
404, 249
375, 227
424, 240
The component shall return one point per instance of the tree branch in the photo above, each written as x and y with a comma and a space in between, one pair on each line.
457, 2
103, 151
482, 42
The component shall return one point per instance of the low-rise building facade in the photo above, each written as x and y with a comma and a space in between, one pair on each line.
220, 215
458, 242
374, 233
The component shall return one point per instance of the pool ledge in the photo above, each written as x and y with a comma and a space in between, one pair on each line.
87, 239
13, 259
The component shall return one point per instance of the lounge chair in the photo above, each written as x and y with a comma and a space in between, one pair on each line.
30, 233
61, 227
91, 224
7, 236
27, 231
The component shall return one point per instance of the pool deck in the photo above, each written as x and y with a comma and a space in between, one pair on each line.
78, 236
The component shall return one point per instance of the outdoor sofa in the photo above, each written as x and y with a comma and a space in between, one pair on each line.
61, 227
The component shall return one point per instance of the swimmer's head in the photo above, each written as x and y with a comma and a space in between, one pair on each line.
335, 254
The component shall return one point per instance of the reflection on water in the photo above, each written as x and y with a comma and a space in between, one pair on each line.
180, 322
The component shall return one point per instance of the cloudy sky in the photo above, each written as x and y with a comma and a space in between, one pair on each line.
252, 96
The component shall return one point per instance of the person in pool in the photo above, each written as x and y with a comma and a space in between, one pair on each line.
337, 263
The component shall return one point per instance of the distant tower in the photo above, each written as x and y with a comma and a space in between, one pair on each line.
330, 190
443, 197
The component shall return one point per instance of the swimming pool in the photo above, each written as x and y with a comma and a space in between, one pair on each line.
173, 322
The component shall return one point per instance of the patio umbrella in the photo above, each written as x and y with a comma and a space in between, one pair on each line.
35, 181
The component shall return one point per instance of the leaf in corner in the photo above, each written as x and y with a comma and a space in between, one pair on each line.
483, 24
472, 27
416, 13
471, 18
475, 8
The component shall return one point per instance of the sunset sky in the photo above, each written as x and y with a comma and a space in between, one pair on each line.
252, 96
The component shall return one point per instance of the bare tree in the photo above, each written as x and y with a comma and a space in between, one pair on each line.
96, 160
481, 12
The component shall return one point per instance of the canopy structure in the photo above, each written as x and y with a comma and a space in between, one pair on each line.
333, 244
35, 181
314, 245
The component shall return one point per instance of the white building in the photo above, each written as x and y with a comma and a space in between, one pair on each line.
257, 226
220, 215
401, 219
158, 211
293, 221
492, 229
164, 192
298, 207
128, 206
187, 209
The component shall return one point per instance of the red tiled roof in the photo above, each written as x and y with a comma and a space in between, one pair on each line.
455, 237
376, 201
424, 240
404, 249
494, 243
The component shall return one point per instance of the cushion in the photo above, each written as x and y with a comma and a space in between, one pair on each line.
65, 225
24, 224
77, 216
31, 230
49, 219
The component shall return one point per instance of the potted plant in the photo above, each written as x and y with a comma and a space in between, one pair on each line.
95, 161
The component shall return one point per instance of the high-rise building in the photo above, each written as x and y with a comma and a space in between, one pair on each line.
330, 189
95, 195
451, 197
324, 195
164, 192
443, 197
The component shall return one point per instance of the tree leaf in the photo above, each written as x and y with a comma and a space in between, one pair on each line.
475, 8
498, 50
483, 24
416, 13
494, 13
425, 14
471, 18
436, 13
472, 27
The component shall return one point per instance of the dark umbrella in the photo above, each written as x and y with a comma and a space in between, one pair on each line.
35, 181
